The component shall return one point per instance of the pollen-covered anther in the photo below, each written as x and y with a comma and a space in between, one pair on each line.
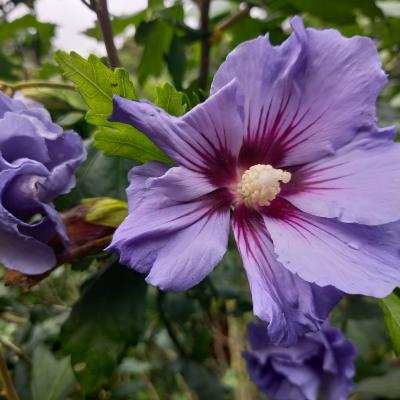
260, 184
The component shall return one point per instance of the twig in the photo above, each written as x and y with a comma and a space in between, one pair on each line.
205, 43
13, 318
87, 4
13, 347
42, 84
208, 38
232, 19
11, 393
103, 16
11, 88
89, 248
227, 22
218, 332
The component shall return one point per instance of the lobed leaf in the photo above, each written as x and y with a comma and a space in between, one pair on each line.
108, 317
125, 141
168, 98
97, 84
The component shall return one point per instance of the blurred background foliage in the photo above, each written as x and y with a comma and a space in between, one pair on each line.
93, 329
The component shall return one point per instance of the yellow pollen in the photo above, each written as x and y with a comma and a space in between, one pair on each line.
260, 184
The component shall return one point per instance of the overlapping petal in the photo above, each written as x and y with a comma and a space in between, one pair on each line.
176, 243
23, 245
359, 183
30, 256
138, 177
182, 184
291, 306
204, 140
354, 258
19, 140
305, 98
66, 153
32, 110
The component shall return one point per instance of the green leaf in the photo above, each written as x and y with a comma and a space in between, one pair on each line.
59, 101
155, 3
48, 70
125, 141
52, 379
168, 98
96, 83
30, 33
156, 37
385, 387
391, 310
108, 317
8, 67
25, 23
176, 61
105, 211
69, 119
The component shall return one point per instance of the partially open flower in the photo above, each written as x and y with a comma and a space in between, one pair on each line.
288, 145
37, 163
319, 363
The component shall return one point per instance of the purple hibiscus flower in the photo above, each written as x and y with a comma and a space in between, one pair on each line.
319, 363
288, 144
37, 163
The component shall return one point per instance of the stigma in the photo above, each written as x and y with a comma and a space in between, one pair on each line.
260, 184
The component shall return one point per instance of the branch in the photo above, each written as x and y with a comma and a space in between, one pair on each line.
104, 19
87, 4
85, 250
13, 347
232, 19
9, 388
205, 43
10, 88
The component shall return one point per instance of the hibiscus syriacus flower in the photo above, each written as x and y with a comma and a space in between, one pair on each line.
288, 145
319, 363
37, 163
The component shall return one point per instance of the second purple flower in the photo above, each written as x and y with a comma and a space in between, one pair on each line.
38, 161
